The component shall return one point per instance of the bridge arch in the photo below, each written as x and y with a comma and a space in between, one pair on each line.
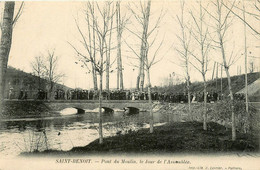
71, 110
131, 110
108, 110
81, 105
79, 110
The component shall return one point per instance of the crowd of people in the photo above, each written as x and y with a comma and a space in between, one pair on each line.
78, 94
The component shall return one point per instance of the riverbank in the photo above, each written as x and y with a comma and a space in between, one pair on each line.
25, 109
178, 137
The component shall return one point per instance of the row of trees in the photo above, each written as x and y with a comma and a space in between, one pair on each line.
208, 31
97, 45
204, 32
45, 66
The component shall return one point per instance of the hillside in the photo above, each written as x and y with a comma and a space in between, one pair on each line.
18, 80
237, 83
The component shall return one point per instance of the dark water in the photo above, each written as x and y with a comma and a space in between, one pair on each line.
62, 132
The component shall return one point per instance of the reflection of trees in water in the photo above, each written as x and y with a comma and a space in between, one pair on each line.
60, 122
108, 117
21, 125
119, 122
40, 125
46, 133
167, 116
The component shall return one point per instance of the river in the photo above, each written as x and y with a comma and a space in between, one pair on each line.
63, 132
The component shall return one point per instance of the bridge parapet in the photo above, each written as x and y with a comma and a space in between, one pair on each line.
58, 105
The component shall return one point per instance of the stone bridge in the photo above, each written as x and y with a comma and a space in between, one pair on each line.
108, 105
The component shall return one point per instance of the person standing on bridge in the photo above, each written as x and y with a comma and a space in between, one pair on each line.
127, 95
21, 94
133, 96
10, 92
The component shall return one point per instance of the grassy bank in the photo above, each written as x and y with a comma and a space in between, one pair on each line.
178, 137
22, 108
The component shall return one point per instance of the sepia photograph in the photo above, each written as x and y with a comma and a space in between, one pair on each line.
130, 84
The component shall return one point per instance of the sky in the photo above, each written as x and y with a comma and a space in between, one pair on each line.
51, 25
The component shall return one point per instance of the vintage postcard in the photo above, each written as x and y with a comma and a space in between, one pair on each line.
129, 84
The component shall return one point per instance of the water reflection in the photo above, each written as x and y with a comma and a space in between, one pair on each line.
67, 131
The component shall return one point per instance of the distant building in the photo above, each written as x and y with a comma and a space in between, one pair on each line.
253, 91
19, 83
253, 88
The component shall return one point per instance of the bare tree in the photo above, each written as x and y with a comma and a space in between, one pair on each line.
143, 20
97, 43
221, 25
121, 23
184, 49
102, 31
51, 72
108, 46
141, 13
88, 41
92, 42
245, 41
146, 57
38, 68
7, 26
254, 12
200, 35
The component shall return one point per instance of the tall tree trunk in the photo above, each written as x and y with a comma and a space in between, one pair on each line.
140, 73
246, 88
150, 99
118, 71
50, 97
121, 72
188, 81
94, 52
94, 76
232, 105
189, 100
188, 89
138, 80
5, 44
144, 45
39, 81
205, 103
217, 78
120, 83
107, 71
213, 71
221, 83
108, 51
118, 42
142, 78
142, 57
100, 111
229, 87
